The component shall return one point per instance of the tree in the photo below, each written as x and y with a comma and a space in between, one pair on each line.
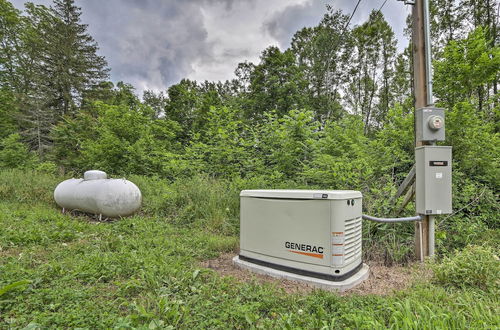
468, 69
69, 59
276, 83
323, 53
285, 144
368, 92
47, 61
220, 149
401, 84
11, 26
14, 153
340, 157
182, 103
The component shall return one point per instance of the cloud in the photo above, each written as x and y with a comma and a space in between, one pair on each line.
284, 23
236, 35
153, 44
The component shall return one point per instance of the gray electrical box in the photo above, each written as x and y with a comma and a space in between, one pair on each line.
429, 124
433, 179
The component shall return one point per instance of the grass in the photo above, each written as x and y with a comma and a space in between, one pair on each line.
143, 271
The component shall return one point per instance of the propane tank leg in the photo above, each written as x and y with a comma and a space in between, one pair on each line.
100, 217
63, 210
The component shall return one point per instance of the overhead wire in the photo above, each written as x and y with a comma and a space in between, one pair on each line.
347, 25
382, 6
341, 35
353, 12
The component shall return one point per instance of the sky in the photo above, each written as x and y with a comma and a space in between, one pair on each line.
153, 44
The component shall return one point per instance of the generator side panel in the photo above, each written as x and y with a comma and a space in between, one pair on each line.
346, 235
289, 232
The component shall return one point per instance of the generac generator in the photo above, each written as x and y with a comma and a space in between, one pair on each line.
315, 233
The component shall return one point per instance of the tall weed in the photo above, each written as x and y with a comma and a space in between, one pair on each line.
473, 267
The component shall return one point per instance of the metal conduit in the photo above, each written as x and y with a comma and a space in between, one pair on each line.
392, 220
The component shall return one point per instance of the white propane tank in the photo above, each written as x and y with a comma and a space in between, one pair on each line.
97, 194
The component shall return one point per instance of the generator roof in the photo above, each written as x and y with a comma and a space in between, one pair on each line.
302, 194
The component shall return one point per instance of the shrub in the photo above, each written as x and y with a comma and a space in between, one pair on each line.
474, 267
14, 153
47, 167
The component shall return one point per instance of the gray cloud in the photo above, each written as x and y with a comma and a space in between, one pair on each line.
149, 43
153, 44
284, 23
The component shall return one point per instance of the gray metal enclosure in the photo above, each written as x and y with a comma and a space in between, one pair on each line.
317, 232
433, 180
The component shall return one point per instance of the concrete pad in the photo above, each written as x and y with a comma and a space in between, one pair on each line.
339, 286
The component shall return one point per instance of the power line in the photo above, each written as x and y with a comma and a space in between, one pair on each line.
353, 12
382, 6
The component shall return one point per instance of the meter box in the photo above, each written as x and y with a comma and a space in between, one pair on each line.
433, 180
430, 124
315, 233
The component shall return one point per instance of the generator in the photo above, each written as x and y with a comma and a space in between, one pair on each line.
315, 233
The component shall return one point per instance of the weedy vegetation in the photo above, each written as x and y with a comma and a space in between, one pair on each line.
64, 271
332, 111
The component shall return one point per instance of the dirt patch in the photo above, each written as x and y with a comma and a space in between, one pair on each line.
382, 281
10, 252
225, 267
385, 280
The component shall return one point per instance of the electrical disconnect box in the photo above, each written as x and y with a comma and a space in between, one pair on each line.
309, 232
430, 124
433, 180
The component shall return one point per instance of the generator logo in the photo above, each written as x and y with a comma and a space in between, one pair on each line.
305, 249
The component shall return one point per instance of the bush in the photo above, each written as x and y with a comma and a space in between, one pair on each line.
47, 167
14, 153
474, 267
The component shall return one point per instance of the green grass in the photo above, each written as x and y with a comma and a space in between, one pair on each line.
143, 272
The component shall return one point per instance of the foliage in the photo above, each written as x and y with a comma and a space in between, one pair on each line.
8, 112
144, 271
341, 156
276, 83
219, 149
334, 111
475, 266
476, 145
14, 153
118, 139
286, 144
467, 69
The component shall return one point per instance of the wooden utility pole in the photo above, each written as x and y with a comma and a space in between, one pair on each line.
421, 73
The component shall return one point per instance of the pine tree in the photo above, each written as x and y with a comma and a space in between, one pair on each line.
57, 64
71, 61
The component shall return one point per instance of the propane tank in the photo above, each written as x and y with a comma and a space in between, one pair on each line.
97, 194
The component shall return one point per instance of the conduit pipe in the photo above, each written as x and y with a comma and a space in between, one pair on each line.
392, 220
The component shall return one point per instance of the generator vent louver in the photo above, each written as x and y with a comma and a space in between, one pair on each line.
352, 243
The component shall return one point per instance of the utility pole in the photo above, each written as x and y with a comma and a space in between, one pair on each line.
420, 72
